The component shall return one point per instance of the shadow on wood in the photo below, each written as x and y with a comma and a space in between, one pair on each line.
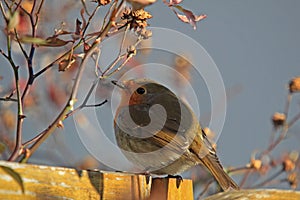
46, 182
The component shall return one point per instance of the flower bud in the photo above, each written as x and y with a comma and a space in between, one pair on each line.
292, 179
294, 85
131, 50
256, 164
288, 165
278, 119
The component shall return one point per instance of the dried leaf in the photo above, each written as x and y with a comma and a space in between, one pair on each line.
175, 2
183, 18
49, 42
55, 42
78, 30
86, 47
33, 40
15, 175
13, 20
188, 16
83, 18
65, 64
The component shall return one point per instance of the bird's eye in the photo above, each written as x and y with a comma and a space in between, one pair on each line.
141, 90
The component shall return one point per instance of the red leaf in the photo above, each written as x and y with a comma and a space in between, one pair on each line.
188, 16
175, 2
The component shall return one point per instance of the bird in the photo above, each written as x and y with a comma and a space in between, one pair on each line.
159, 132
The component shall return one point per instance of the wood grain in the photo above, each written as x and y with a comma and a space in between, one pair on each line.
46, 182
261, 194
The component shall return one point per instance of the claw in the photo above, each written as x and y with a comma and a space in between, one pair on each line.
179, 179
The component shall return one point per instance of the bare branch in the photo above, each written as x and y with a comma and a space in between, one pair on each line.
8, 99
69, 105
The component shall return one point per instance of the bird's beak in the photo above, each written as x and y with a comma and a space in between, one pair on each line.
120, 85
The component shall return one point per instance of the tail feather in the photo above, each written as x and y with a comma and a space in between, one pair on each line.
218, 172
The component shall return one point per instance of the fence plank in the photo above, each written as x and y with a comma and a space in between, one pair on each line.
46, 182
261, 194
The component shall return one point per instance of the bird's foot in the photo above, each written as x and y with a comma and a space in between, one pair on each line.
148, 176
179, 179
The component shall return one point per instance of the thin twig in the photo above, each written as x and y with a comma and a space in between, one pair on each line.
34, 24
11, 94
85, 8
96, 105
4, 54
25, 144
86, 106
96, 63
113, 64
20, 118
294, 120
70, 102
246, 175
238, 169
69, 106
287, 105
273, 133
107, 14
129, 55
8, 99
20, 45
3, 12
17, 6
89, 20
119, 57
68, 52
20, 115
120, 67
268, 179
206, 187
9, 7
80, 42
282, 136
124, 38
286, 126
87, 97
33, 7
38, 11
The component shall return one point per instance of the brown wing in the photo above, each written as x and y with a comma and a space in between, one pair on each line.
165, 126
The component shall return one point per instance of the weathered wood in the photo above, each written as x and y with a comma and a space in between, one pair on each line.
46, 182
261, 194
171, 189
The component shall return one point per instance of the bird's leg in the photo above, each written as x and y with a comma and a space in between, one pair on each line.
147, 175
179, 179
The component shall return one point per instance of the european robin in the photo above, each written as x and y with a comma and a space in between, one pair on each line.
160, 133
